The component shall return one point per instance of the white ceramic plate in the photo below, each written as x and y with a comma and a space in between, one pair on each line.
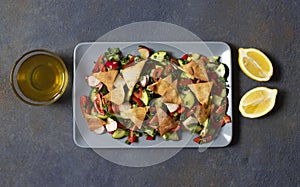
84, 56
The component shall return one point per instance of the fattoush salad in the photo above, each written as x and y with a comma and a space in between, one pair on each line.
153, 95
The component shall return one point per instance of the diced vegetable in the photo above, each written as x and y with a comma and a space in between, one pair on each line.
93, 81
145, 97
144, 52
119, 133
158, 56
111, 125
171, 136
221, 70
100, 130
188, 99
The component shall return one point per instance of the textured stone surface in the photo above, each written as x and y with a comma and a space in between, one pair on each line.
36, 142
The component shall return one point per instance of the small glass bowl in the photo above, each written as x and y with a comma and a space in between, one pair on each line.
39, 77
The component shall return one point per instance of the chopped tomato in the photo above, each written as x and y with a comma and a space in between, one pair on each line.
131, 138
139, 92
149, 138
200, 140
185, 56
175, 61
227, 119
137, 101
181, 109
99, 105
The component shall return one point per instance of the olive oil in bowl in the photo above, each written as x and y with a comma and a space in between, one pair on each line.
39, 77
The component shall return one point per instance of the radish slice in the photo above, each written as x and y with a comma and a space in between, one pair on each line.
93, 81
144, 52
112, 64
111, 125
172, 107
144, 80
100, 130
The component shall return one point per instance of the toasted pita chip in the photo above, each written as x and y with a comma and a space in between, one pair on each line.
161, 86
138, 115
116, 95
201, 91
171, 94
202, 112
93, 122
196, 69
108, 77
166, 123
132, 74
202, 74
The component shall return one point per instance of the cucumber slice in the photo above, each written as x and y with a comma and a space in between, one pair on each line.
185, 75
144, 52
150, 132
173, 136
195, 56
221, 70
188, 99
145, 97
119, 133
158, 56
205, 128
223, 93
217, 100
214, 58
93, 93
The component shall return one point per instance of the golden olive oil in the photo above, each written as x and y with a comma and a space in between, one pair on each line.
41, 77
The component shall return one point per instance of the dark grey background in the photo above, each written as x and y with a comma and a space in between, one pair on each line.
36, 142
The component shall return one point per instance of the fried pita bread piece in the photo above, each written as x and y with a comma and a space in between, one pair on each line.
93, 122
116, 95
108, 77
201, 91
132, 74
196, 69
202, 112
138, 115
166, 123
161, 86
171, 94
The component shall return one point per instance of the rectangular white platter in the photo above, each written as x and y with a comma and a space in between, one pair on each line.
86, 53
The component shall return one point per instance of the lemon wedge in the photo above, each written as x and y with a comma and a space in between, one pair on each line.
257, 102
255, 64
